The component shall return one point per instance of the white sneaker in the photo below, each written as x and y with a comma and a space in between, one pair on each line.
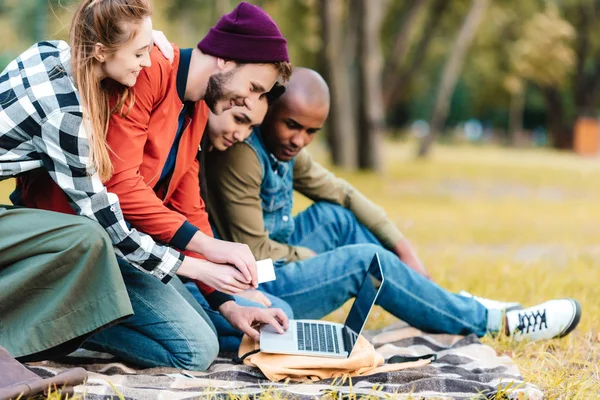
493, 304
552, 319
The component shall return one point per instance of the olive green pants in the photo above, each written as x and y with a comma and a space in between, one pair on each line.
59, 280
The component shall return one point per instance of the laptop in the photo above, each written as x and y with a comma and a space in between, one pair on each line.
327, 339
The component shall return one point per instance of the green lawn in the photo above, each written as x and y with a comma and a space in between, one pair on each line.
508, 224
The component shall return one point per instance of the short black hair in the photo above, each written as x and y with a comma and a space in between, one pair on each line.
275, 93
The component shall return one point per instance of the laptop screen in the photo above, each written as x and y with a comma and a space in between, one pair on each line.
365, 299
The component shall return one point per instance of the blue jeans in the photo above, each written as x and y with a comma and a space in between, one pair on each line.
168, 328
319, 285
229, 337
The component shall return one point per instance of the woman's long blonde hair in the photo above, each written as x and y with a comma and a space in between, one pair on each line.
106, 22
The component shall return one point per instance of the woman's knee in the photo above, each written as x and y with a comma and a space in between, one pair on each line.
89, 236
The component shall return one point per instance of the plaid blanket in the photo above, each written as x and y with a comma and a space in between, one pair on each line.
465, 369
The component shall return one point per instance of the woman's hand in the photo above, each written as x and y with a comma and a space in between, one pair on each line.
163, 44
225, 278
222, 252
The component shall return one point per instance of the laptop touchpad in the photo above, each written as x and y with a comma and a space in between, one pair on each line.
268, 332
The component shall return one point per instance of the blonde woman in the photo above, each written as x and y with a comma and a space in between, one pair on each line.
53, 115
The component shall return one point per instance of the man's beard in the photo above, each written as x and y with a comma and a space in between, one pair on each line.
215, 90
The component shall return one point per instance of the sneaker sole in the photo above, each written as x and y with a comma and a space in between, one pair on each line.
574, 322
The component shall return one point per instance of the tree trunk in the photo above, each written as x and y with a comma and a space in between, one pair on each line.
391, 73
371, 112
451, 73
398, 87
561, 136
341, 127
586, 80
515, 116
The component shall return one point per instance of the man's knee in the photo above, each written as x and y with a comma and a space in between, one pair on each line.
363, 251
362, 254
276, 302
335, 214
203, 349
333, 211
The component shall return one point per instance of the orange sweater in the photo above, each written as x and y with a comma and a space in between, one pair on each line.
140, 143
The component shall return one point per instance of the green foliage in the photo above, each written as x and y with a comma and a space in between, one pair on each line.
299, 23
529, 55
520, 46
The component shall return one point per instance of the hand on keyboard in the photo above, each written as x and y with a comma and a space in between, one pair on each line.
247, 318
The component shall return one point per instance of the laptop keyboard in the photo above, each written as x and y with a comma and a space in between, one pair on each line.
317, 337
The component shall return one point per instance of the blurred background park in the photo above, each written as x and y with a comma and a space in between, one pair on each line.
474, 123
514, 73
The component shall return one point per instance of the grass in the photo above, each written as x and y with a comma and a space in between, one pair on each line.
54, 394
506, 224
518, 225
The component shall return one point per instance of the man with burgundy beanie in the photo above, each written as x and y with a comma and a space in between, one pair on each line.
154, 144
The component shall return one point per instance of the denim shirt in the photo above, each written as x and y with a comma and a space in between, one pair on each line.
276, 190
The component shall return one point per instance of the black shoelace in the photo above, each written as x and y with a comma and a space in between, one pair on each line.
532, 321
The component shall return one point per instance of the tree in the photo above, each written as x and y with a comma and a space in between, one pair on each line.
585, 82
516, 87
452, 71
352, 50
371, 119
549, 70
341, 129
399, 71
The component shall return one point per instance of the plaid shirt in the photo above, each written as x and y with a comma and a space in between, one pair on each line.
41, 127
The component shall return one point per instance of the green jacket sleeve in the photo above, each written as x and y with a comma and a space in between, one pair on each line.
318, 184
233, 185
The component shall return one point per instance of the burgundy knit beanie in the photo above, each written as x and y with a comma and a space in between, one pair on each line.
247, 34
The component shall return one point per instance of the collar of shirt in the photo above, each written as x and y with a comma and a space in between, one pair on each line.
185, 56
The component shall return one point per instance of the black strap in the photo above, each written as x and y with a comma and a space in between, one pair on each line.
391, 360
403, 359
240, 360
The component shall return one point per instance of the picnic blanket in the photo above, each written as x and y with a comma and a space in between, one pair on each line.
465, 369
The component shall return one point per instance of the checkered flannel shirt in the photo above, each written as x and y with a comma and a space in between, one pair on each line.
41, 127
